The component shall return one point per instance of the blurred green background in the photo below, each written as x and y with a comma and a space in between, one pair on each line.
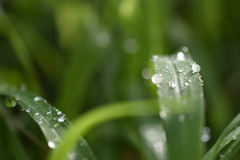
79, 54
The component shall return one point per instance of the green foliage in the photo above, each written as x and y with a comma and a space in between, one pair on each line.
81, 55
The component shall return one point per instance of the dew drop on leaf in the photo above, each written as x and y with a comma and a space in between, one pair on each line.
37, 99
27, 110
180, 56
37, 115
51, 144
61, 118
10, 101
181, 118
22, 87
195, 68
157, 78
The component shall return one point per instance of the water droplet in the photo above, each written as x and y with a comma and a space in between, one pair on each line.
59, 112
186, 84
51, 144
10, 101
22, 109
37, 115
181, 118
185, 49
173, 85
205, 137
157, 78
206, 130
221, 155
180, 70
81, 144
195, 68
72, 155
22, 87
180, 56
235, 138
40, 121
27, 110
61, 118
154, 58
37, 99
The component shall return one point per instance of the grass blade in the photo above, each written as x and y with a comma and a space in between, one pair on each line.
181, 104
51, 121
226, 134
10, 142
102, 114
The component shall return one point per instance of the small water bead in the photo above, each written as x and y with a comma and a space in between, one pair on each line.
195, 68
59, 112
37, 115
37, 99
61, 118
205, 138
81, 144
206, 134
22, 87
235, 138
186, 84
181, 118
27, 110
157, 78
22, 109
72, 155
154, 58
52, 145
185, 49
180, 56
40, 122
10, 101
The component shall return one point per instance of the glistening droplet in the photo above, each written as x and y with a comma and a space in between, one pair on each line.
37, 99
51, 144
157, 78
10, 101
195, 68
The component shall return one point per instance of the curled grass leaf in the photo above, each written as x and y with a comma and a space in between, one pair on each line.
52, 122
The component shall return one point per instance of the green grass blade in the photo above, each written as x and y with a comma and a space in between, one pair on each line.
213, 152
181, 104
20, 48
232, 149
52, 122
10, 142
102, 114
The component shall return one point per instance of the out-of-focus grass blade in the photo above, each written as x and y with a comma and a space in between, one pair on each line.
181, 104
21, 50
52, 122
10, 142
102, 114
230, 133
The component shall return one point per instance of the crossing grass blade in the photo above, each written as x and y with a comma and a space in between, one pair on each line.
102, 114
52, 122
